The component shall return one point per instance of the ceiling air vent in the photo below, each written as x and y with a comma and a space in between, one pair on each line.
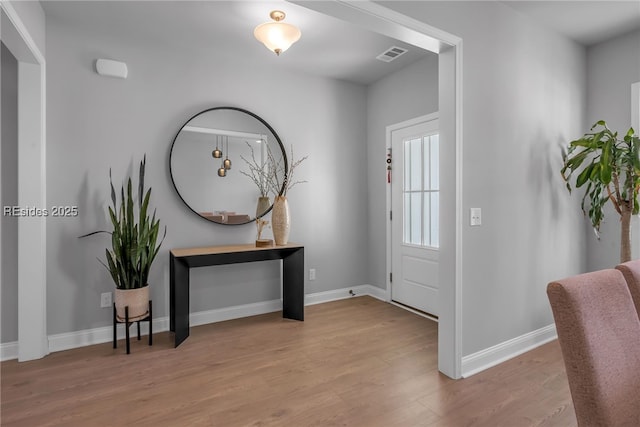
392, 53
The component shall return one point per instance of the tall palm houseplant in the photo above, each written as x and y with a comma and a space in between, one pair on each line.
609, 167
134, 246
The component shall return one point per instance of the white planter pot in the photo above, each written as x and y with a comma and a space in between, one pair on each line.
136, 299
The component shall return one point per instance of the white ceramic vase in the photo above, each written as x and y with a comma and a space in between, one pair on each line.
280, 220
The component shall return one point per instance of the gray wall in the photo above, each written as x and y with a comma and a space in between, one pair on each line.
9, 196
96, 123
523, 98
33, 17
403, 95
524, 92
612, 67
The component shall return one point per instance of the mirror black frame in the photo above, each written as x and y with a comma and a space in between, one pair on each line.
255, 116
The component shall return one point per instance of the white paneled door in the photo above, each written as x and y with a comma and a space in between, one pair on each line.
414, 217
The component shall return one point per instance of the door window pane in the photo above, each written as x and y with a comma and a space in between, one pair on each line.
434, 240
421, 190
407, 165
426, 218
416, 164
407, 217
416, 218
434, 164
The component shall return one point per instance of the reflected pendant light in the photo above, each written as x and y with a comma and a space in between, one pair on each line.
227, 163
277, 36
216, 153
222, 172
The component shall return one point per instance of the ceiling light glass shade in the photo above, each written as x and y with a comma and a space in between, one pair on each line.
222, 172
216, 153
226, 164
277, 36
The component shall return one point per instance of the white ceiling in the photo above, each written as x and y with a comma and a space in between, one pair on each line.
328, 47
587, 22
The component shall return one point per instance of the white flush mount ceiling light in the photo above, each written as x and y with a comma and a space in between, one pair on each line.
277, 36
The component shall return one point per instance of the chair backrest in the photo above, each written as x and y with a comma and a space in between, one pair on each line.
631, 272
599, 333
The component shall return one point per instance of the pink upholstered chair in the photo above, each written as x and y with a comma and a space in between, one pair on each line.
631, 272
599, 333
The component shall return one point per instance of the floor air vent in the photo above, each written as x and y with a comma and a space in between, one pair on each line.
392, 53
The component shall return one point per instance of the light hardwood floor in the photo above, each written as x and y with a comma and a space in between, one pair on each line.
355, 362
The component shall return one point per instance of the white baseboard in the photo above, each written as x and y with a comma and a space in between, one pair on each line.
344, 293
67, 341
492, 356
376, 292
9, 351
235, 312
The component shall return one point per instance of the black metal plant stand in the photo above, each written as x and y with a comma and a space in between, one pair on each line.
128, 323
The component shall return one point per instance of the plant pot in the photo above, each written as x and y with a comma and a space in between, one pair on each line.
280, 220
136, 299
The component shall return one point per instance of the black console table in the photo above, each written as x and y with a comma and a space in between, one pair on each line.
292, 256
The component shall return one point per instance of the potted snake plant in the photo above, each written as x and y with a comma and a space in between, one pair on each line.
134, 246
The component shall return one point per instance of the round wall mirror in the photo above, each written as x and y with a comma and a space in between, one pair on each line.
220, 162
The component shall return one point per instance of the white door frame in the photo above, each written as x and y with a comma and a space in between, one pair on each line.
32, 261
379, 19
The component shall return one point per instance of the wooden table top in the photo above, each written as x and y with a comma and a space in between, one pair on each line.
225, 249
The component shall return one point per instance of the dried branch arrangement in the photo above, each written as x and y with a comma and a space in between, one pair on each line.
281, 176
260, 224
258, 173
273, 176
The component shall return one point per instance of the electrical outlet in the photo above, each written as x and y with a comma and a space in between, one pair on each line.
105, 300
475, 217
312, 274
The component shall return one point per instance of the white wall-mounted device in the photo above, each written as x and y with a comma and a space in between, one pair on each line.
110, 68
